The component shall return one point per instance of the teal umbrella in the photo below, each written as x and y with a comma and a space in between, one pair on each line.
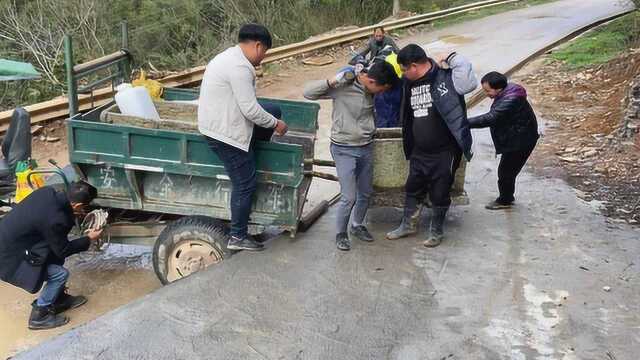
15, 70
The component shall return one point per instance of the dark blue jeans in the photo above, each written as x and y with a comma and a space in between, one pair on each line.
241, 169
57, 277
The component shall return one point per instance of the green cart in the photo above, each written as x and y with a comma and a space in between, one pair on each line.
166, 167
163, 171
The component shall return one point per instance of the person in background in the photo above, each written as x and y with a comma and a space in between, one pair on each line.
435, 133
378, 43
352, 131
514, 130
34, 245
232, 120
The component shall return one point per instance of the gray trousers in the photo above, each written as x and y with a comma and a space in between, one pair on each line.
354, 165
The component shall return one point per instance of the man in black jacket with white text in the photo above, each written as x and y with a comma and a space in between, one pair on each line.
435, 134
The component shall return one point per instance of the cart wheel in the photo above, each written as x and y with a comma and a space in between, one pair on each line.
189, 245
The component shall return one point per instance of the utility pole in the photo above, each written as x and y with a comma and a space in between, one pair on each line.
396, 7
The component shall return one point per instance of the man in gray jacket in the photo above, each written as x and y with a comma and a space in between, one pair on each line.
352, 133
231, 118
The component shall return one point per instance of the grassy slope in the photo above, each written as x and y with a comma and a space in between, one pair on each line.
601, 44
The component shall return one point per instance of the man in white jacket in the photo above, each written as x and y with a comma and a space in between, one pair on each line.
231, 118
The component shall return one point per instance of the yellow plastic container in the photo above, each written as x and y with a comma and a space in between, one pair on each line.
22, 186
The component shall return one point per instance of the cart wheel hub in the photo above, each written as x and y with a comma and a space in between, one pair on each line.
190, 256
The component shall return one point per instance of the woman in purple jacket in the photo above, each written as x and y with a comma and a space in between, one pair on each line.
514, 130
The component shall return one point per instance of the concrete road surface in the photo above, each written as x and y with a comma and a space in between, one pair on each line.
522, 284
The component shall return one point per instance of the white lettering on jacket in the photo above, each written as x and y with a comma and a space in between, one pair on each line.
421, 100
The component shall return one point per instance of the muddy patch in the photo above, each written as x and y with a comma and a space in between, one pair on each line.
582, 112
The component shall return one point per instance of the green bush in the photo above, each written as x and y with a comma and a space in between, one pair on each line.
168, 34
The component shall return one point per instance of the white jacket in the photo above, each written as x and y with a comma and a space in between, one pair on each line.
228, 108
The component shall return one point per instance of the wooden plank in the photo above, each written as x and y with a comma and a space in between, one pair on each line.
136, 230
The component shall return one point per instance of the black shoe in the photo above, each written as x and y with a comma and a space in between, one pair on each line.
361, 233
45, 317
498, 205
66, 302
245, 243
342, 242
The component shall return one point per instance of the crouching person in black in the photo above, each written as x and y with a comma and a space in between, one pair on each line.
34, 245
514, 130
435, 132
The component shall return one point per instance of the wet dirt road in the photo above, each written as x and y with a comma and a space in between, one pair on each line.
111, 279
504, 286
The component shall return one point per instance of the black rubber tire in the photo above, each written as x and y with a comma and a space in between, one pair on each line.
210, 230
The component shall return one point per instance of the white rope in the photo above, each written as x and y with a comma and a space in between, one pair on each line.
96, 220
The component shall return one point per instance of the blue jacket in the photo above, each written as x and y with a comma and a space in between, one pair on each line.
387, 107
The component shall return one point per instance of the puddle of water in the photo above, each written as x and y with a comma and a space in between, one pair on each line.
447, 42
547, 17
534, 337
455, 39
596, 205
115, 257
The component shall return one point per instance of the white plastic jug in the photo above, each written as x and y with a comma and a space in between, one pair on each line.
135, 101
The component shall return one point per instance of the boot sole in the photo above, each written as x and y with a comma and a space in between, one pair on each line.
432, 245
428, 245
498, 207
399, 237
43, 327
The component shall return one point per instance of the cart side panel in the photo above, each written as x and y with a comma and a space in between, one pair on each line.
174, 152
300, 116
177, 173
178, 194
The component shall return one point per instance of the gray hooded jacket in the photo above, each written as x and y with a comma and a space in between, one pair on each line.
353, 122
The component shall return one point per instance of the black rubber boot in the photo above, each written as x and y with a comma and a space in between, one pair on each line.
436, 235
45, 317
408, 226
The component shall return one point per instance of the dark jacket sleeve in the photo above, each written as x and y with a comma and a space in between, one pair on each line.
393, 44
56, 237
499, 113
406, 120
